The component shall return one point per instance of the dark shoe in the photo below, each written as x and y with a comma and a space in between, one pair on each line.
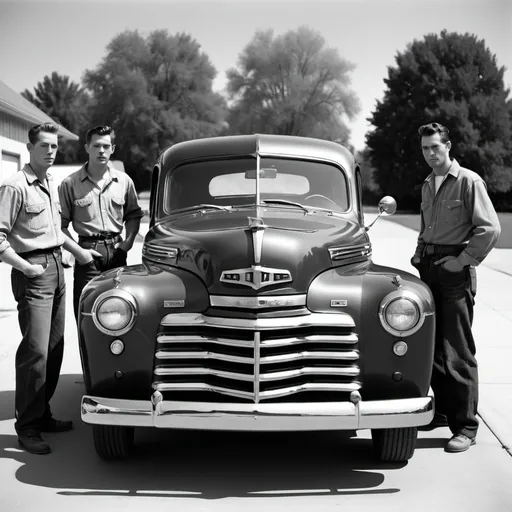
438, 421
54, 425
459, 443
32, 442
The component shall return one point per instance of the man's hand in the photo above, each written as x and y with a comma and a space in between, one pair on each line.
415, 261
450, 263
34, 270
86, 256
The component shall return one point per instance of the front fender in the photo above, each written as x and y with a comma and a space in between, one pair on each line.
384, 375
156, 292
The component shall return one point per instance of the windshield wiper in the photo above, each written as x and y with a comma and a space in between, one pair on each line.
202, 206
284, 201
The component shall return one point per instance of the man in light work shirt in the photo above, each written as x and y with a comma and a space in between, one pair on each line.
99, 201
459, 227
30, 241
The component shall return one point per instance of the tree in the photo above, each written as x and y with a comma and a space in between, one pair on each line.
154, 92
291, 85
452, 79
68, 104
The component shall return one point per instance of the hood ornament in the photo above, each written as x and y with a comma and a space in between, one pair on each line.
256, 276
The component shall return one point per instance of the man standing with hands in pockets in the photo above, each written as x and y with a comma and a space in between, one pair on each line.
30, 241
99, 201
459, 227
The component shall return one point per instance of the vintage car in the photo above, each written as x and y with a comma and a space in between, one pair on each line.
257, 306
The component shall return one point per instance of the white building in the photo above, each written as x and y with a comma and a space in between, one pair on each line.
17, 115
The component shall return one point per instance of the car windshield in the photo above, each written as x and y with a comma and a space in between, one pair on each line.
233, 183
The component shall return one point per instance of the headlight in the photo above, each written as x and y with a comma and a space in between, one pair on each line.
113, 312
401, 313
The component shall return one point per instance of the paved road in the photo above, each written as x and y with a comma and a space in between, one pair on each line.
190, 471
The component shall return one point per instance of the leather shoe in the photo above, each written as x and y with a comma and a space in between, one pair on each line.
438, 421
53, 425
32, 442
459, 443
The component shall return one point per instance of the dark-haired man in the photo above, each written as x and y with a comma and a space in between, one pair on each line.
30, 241
99, 201
459, 227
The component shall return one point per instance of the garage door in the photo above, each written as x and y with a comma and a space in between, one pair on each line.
9, 165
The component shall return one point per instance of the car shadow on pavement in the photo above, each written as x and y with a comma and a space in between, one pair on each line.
198, 464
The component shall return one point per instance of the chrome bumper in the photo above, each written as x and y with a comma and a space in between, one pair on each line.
358, 414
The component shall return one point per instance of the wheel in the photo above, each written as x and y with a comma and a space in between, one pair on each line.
394, 444
112, 442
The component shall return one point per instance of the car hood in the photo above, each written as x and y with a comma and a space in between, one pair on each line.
217, 243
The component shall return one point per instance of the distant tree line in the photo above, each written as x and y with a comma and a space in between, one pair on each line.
157, 90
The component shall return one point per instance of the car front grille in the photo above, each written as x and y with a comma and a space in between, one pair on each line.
313, 357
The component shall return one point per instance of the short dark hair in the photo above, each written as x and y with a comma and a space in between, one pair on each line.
33, 133
100, 130
432, 129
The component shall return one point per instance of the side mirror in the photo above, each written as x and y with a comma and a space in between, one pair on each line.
387, 205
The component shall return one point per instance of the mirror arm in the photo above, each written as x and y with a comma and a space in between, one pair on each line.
367, 228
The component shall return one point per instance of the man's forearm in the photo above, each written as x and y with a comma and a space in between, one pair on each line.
132, 229
10, 257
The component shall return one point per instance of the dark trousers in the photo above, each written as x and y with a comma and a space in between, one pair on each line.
455, 370
41, 314
110, 258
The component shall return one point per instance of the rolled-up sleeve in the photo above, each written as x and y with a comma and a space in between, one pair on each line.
66, 201
486, 224
10, 204
132, 209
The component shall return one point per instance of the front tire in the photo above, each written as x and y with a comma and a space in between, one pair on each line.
112, 442
394, 444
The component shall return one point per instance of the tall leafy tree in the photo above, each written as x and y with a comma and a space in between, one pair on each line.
68, 104
291, 84
154, 91
453, 79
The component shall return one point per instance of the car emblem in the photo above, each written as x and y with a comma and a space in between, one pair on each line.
179, 303
256, 276
339, 303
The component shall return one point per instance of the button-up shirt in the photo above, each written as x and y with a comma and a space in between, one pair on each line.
91, 209
29, 213
460, 213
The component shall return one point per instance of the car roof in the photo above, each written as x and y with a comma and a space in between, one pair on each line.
268, 145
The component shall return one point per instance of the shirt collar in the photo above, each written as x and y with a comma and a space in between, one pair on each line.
454, 171
84, 175
31, 175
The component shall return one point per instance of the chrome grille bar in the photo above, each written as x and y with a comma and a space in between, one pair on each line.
274, 393
339, 319
203, 354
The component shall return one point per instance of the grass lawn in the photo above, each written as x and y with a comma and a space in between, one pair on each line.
505, 241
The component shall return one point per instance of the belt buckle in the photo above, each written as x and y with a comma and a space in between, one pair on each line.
429, 250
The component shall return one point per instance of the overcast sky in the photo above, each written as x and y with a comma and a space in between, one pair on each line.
39, 37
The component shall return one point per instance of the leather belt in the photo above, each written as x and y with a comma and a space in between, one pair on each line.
39, 252
442, 250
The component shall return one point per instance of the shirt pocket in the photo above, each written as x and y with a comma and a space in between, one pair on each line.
36, 216
117, 207
451, 211
84, 209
